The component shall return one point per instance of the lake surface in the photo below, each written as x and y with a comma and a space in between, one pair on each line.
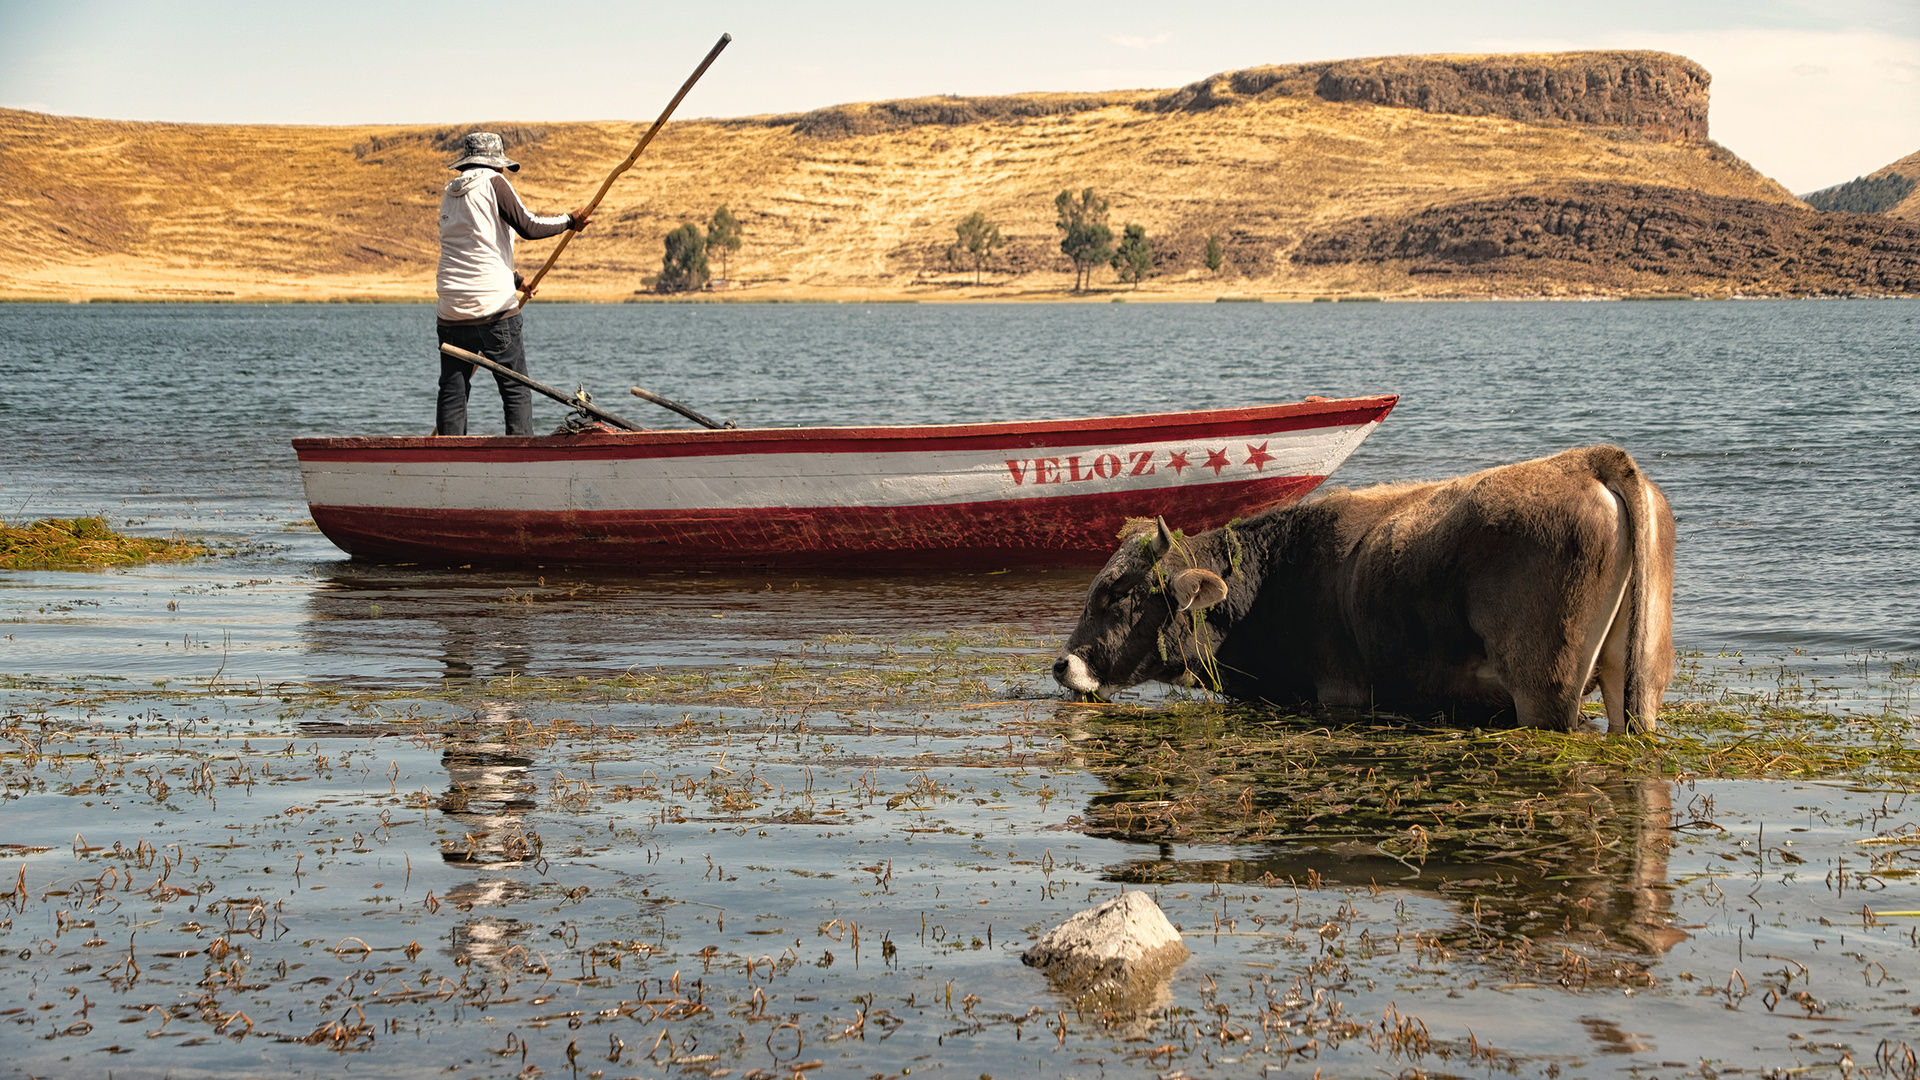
1786, 434
753, 824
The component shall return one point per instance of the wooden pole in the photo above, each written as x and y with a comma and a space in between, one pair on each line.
568, 400
706, 422
567, 237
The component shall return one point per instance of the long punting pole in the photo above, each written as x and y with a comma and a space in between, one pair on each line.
567, 237
568, 400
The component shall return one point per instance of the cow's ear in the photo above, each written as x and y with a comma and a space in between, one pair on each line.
1162, 539
1197, 588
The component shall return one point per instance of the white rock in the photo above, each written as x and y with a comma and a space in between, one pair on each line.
1118, 954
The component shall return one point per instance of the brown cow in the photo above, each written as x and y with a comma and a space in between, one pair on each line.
1506, 594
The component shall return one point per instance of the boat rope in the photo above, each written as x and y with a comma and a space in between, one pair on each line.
580, 420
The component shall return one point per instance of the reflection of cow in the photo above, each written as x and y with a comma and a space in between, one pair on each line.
1509, 591
1548, 888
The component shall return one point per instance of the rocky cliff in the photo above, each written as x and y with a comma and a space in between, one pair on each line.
1632, 238
1655, 92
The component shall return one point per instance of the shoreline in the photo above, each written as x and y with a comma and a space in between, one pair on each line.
1026, 298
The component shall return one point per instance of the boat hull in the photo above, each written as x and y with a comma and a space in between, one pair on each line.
952, 496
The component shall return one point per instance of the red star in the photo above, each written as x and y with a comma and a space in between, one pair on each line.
1176, 461
1217, 460
1257, 456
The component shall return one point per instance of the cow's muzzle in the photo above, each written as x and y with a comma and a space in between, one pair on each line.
1073, 673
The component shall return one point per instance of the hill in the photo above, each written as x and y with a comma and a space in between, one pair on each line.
1891, 189
1909, 167
1434, 176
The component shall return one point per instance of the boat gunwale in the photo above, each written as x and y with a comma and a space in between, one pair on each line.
1361, 410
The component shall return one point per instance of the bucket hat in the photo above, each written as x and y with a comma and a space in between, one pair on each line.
484, 148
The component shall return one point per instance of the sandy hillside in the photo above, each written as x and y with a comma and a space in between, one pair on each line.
860, 201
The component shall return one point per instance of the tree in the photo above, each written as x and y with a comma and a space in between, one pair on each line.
723, 236
1216, 254
684, 268
977, 239
1088, 241
1133, 260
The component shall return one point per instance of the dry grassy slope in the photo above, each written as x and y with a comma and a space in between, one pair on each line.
1909, 167
95, 207
100, 208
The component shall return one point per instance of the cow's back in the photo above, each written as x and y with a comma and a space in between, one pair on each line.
1431, 572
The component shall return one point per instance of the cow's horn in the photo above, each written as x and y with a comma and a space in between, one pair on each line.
1162, 538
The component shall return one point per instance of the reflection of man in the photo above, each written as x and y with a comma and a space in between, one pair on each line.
466, 651
486, 784
479, 215
487, 791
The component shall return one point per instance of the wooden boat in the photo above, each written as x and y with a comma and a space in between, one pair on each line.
1046, 493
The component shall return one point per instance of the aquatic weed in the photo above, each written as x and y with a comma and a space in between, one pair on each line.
87, 541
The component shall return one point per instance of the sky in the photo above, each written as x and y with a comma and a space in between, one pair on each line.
1811, 93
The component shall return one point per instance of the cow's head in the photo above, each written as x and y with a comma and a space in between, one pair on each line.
1142, 620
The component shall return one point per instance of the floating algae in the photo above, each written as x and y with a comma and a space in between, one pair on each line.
88, 541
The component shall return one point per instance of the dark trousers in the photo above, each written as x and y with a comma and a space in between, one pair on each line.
499, 342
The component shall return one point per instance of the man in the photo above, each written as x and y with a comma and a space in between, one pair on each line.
479, 310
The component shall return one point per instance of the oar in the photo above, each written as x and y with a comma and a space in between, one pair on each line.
568, 400
567, 237
648, 395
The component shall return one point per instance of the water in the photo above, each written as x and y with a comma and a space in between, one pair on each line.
1786, 434
613, 796
657, 878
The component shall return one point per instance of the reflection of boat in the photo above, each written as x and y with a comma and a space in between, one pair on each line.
1043, 493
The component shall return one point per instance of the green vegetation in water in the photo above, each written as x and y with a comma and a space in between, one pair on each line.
88, 541
1230, 773
1227, 775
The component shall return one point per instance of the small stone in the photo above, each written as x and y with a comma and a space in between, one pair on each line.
1116, 956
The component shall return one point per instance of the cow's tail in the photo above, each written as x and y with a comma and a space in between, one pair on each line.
1646, 611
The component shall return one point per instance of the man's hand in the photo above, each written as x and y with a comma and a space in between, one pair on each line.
520, 283
579, 219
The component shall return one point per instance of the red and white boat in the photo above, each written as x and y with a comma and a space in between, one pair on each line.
1044, 493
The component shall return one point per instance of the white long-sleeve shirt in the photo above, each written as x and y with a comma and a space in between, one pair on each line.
479, 215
